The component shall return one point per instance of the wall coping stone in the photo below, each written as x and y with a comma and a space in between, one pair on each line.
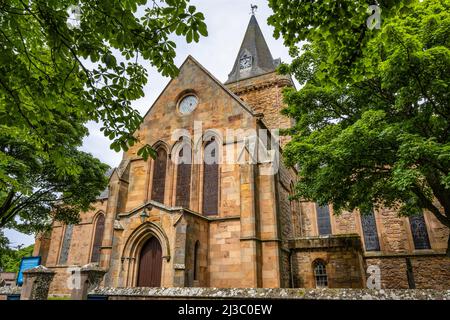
326, 242
10, 290
414, 254
276, 293
38, 270
174, 210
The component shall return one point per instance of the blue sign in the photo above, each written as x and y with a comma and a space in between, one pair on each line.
96, 297
25, 264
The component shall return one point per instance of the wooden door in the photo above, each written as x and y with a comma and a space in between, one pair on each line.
150, 264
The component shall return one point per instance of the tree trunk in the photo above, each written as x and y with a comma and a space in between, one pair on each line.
5, 208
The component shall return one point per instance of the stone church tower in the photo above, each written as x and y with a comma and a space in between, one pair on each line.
212, 211
255, 80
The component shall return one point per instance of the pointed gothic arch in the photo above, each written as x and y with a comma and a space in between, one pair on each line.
211, 169
159, 173
150, 264
132, 251
207, 136
98, 232
182, 158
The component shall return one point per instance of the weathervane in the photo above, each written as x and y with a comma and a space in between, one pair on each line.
254, 8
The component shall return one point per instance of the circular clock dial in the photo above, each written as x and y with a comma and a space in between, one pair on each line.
245, 62
188, 104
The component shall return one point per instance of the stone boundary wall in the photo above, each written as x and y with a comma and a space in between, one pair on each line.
292, 294
6, 291
304, 294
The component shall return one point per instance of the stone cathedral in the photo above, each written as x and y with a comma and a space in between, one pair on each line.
210, 211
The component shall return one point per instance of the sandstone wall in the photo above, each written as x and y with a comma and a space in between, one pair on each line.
197, 231
217, 111
342, 256
42, 247
60, 284
81, 241
394, 232
287, 220
428, 272
264, 95
224, 257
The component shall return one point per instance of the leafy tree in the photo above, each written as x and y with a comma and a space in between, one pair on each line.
38, 193
51, 68
372, 118
61, 67
10, 258
4, 249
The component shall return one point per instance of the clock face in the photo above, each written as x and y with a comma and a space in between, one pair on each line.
245, 62
188, 104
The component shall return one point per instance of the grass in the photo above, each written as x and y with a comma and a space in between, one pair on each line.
58, 298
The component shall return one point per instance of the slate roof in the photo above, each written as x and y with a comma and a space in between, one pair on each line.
254, 45
105, 193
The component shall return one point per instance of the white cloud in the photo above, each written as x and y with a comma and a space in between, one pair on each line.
18, 239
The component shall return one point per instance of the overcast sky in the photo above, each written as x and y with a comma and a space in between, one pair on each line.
227, 21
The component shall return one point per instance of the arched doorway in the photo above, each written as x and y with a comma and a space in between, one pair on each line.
150, 264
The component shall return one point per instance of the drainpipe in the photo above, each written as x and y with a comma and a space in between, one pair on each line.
291, 270
410, 274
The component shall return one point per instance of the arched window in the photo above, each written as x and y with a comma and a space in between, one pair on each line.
211, 178
323, 220
159, 176
98, 238
369, 227
183, 188
196, 258
419, 232
320, 274
65, 244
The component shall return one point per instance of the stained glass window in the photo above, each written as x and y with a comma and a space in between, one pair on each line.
211, 179
183, 188
98, 238
159, 176
323, 220
320, 274
65, 245
419, 232
369, 227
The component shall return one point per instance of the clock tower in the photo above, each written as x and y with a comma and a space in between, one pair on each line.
255, 80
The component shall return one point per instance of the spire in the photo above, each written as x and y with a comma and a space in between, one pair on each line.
254, 57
